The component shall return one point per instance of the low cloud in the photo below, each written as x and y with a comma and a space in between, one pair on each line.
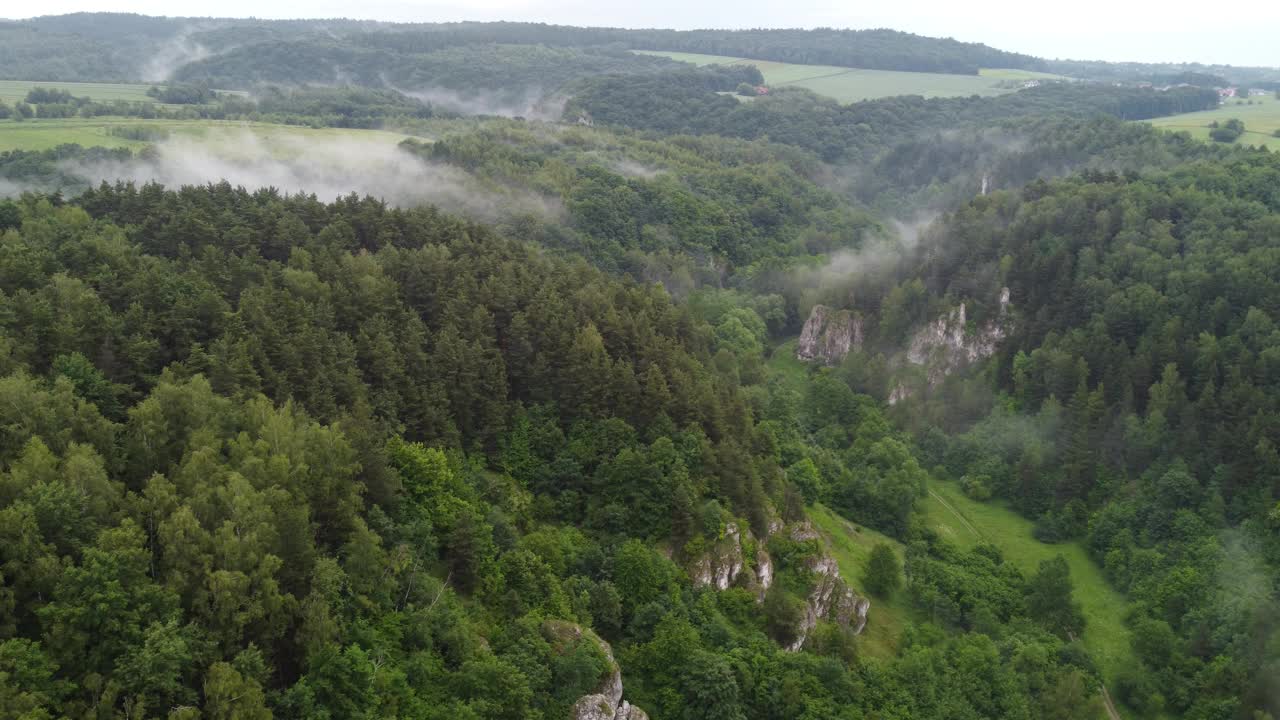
531, 104
326, 167
172, 55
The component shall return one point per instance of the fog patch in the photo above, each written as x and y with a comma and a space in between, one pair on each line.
326, 167
632, 169
9, 189
176, 52
867, 271
532, 104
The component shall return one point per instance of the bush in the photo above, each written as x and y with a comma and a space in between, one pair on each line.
144, 133
42, 96
977, 487
883, 575
1227, 132
783, 612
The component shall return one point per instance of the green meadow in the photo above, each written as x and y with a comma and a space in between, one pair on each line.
12, 91
968, 523
851, 84
1261, 120
39, 134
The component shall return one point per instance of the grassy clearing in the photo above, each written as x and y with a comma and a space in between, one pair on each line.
850, 544
782, 363
96, 132
1261, 121
967, 523
850, 85
12, 91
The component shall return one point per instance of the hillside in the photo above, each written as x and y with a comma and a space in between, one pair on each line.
479, 371
848, 85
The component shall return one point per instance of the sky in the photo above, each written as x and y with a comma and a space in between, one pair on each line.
1114, 30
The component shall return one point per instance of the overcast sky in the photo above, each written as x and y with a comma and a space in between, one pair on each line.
1243, 32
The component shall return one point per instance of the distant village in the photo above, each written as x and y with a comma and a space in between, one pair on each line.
1224, 93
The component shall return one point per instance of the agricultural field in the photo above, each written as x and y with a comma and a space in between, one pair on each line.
851, 85
1261, 121
968, 523
39, 134
12, 91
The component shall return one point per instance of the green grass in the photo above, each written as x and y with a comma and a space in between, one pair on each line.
850, 85
784, 364
12, 91
968, 523
850, 544
95, 132
1261, 120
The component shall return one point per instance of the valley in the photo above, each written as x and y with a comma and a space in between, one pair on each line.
507, 369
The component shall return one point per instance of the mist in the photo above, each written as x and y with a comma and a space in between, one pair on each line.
326, 167
867, 271
531, 104
173, 54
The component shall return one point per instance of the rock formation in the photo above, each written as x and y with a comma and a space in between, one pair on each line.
948, 344
724, 562
724, 565
831, 597
606, 702
829, 335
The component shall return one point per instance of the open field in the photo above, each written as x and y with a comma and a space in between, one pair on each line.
968, 523
1261, 120
851, 545
95, 132
12, 91
850, 85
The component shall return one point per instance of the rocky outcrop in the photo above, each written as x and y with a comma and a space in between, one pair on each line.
627, 711
829, 335
721, 565
724, 564
606, 702
831, 597
597, 707
764, 572
948, 344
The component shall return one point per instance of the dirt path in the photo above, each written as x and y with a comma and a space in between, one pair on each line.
1111, 707
1106, 696
955, 512
815, 77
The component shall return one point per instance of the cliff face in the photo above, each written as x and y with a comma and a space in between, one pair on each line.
606, 702
725, 562
948, 344
831, 596
725, 565
829, 335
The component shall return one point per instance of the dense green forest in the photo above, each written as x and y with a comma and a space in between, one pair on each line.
553, 452
513, 71
119, 47
674, 103
874, 49
268, 455
67, 47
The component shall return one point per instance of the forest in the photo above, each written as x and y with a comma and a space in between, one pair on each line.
688, 412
